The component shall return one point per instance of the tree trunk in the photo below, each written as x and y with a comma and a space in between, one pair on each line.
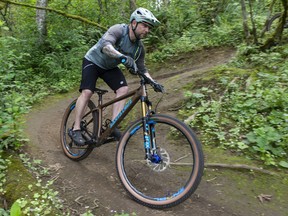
41, 20
269, 15
132, 4
245, 22
5, 12
100, 4
277, 35
254, 31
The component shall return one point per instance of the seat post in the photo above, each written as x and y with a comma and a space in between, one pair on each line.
100, 93
100, 99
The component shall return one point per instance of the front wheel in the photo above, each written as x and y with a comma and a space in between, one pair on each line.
176, 173
88, 128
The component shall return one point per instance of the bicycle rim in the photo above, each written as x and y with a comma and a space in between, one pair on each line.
175, 178
70, 149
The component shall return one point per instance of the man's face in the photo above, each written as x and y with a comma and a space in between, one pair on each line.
142, 30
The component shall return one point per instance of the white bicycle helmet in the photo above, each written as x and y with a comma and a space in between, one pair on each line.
144, 15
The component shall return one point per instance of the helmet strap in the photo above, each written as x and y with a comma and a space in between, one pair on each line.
134, 29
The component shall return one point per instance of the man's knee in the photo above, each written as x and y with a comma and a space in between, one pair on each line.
121, 91
86, 94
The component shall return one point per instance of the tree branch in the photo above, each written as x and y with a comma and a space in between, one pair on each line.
76, 17
238, 166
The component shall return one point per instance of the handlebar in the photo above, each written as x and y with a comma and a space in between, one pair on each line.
132, 67
156, 86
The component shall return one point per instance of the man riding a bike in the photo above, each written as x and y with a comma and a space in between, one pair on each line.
120, 44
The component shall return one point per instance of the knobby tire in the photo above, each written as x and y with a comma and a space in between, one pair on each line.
165, 184
89, 123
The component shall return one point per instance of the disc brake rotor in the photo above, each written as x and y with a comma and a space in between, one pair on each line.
161, 166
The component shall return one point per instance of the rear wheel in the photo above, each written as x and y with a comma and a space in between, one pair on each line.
88, 127
172, 174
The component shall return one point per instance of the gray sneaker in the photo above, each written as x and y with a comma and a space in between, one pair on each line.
77, 137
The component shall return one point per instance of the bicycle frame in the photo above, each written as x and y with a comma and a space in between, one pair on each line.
137, 94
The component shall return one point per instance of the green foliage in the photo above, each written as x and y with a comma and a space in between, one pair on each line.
250, 116
43, 203
3, 212
13, 102
209, 10
3, 171
28, 75
15, 209
195, 35
25, 194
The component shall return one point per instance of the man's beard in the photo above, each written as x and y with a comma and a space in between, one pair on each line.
141, 36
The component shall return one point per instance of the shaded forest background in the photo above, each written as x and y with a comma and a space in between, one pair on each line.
42, 44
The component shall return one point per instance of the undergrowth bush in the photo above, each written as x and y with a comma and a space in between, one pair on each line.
29, 75
197, 37
247, 113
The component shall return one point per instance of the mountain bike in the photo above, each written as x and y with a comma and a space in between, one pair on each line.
159, 159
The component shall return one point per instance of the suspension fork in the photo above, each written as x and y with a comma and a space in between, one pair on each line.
149, 131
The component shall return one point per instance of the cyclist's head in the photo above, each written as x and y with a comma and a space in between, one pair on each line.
142, 15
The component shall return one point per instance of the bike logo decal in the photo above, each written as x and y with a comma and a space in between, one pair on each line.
147, 141
173, 195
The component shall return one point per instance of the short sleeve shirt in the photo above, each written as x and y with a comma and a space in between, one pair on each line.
118, 36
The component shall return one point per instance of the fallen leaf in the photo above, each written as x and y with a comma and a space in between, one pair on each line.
263, 197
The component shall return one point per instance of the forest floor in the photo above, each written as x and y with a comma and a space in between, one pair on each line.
92, 184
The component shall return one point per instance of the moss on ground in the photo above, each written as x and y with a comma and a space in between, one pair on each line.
233, 184
18, 178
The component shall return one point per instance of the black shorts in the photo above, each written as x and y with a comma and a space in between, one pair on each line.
114, 78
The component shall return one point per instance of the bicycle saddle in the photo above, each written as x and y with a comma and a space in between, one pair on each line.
100, 91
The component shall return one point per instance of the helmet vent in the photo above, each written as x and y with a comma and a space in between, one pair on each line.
144, 15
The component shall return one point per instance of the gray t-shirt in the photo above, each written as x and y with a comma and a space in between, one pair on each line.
118, 36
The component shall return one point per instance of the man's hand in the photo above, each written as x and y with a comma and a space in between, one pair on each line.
129, 63
158, 87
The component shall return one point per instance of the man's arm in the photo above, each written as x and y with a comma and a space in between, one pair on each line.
111, 51
148, 75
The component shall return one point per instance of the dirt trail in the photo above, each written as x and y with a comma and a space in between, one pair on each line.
93, 183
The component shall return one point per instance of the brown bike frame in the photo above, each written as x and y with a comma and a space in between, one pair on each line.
137, 94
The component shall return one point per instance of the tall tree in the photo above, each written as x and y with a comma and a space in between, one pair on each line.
254, 31
277, 35
269, 14
132, 4
41, 20
100, 4
245, 21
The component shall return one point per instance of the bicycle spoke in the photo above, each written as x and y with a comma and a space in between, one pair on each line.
88, 129
169, 180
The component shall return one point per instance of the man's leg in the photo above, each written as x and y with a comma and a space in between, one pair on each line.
115, 79
81, 104
117, 107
